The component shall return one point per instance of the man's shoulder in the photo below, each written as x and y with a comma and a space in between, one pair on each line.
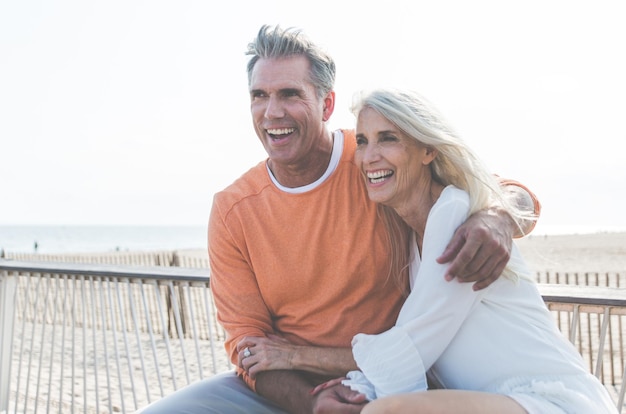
349, 143
250, 182
349, 136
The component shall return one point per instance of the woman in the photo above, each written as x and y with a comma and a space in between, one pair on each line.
496, 350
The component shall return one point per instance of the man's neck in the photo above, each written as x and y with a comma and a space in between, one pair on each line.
309, 170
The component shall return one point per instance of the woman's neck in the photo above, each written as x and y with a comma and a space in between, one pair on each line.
415, 211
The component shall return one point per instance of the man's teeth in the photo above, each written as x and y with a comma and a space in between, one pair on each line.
378, 176
280, 131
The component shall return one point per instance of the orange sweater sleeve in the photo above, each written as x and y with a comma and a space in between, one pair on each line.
236, 295
536, 204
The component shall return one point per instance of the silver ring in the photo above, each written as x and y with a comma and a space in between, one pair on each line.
246, 352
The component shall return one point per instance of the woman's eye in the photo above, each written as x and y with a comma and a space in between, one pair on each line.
361, 141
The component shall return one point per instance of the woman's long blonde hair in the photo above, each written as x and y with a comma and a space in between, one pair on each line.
455, 164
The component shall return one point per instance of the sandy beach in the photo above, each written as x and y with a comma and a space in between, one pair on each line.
599, 252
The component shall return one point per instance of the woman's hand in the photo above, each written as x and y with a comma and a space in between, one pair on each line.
333, 398
258, 354
327, 384
274, 352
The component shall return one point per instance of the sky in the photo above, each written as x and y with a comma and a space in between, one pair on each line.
137, 112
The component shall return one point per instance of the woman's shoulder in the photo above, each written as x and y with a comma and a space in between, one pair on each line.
452, 193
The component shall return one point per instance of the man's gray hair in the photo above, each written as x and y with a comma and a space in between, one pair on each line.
275, 42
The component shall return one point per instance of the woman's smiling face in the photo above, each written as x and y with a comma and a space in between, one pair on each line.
391, 161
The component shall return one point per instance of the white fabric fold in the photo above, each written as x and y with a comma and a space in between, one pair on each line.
390, 362
359, 383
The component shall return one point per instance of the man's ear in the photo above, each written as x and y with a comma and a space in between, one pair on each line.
329, 105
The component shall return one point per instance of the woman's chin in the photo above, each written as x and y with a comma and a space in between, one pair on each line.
379, 198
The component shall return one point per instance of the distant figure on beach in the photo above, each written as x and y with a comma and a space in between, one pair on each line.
36, 246
520, 361
300, 258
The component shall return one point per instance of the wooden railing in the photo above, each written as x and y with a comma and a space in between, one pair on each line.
92, 338
593, 318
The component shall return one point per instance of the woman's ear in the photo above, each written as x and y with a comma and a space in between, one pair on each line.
430, 155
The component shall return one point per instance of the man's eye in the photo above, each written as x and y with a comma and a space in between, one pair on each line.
361, 141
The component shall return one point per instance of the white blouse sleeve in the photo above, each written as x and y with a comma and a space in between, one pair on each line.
396, 361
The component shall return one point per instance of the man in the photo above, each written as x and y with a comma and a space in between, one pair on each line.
299, 256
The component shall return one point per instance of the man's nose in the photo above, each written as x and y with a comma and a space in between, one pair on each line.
274, 108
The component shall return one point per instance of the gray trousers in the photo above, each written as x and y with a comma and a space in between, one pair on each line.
221, 394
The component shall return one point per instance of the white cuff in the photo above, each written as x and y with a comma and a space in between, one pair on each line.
390, 361
359, 383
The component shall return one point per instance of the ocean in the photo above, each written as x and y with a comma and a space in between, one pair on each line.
99, 239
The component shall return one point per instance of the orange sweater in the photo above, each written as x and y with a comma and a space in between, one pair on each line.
311, 267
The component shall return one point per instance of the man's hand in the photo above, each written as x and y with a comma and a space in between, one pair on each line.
338, 398
480, 248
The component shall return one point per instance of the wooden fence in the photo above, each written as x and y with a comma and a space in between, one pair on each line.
165, 258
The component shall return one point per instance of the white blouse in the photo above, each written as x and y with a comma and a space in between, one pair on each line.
468, 340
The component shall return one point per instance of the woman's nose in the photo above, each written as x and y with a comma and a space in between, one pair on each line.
371, 153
